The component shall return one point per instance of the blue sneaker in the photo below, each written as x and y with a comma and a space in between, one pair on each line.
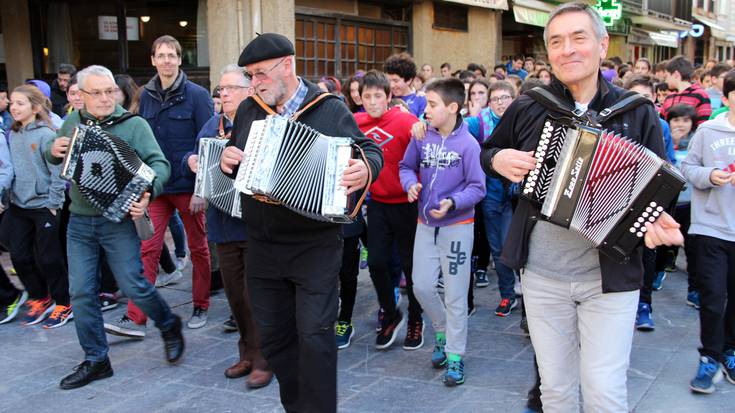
658, 283
643, 320
455, 373
397, 293
708, 374
344, 332
439, 356
730, 366
693, 299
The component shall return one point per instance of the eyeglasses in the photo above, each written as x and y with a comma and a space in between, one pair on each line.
230, 88
263, 75
98, 93
498, 99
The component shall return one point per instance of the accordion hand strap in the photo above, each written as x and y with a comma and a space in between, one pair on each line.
359, 202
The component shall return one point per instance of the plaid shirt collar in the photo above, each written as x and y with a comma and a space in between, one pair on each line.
293, 104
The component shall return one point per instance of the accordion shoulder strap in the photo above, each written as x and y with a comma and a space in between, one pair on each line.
358, 204
629, 101
296, 115
263, 105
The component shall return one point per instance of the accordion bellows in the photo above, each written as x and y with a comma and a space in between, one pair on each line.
602, 186
107, 171
295, 165
213, 185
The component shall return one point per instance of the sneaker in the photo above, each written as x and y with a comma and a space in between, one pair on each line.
414, 335
230, 325
455, 373
60, 316
643, 319
658, 282
344, 332
363, 258
165, 278
125, 327
440, 284
671, 261
729, 366
505, 307
481, 280
36, 311
439, 356
693, 299
397, 294
181, 262
8, 312
708, 374
198, 318
108, 301
471, 311
389, 331
381, 316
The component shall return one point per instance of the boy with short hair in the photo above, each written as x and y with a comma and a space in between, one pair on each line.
717, 74
447, 163
679, 73
401, 70
709, 167
392, 218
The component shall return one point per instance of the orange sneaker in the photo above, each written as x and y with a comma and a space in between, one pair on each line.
60, 316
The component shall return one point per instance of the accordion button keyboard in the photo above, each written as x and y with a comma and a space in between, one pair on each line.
632, 230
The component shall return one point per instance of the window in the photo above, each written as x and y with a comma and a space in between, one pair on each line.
450, 16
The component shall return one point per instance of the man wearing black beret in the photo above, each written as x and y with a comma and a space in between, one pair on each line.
293, 261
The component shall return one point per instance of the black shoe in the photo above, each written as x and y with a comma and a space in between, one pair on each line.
389, 331
173, 341
86, 373
230, 326
414, 335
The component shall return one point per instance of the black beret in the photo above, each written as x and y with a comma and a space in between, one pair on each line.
266, 46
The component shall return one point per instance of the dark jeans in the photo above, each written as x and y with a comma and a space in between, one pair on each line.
388, 223
716, 285
86, 237
176, 226
109, 286
35, 251
233, 266
480, 248
348, 277
497, 218
293, 292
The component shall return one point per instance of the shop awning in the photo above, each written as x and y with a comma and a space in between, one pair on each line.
712, 24
653, 38
665, 39
486, 4
654, 22
530, 16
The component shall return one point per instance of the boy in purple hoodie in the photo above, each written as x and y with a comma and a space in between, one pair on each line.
447, 163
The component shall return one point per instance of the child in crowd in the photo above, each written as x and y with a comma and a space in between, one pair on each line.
36, 197
447, 163
401, 69
5, 119
709, 167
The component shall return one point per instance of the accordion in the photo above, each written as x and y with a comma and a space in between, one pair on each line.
290, 163
211, 184
602, 186
107, 171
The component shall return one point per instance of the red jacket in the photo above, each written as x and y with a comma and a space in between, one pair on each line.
392, 133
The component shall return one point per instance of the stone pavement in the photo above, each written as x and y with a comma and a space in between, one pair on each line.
499, 366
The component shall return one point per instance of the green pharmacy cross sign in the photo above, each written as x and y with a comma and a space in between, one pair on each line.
610, 11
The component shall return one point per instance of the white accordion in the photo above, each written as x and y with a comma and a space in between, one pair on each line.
290, 163
211, 184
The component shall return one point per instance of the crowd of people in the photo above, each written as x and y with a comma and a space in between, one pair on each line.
445, 154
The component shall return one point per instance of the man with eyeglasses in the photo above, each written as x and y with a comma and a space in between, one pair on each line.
89, 233
230, 238
293, 261
176, 109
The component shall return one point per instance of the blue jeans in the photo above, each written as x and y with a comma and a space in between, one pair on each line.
176, 226
86, 237
497, 223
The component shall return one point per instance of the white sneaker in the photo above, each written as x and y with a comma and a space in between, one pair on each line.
198, 318
165, 279
182, 262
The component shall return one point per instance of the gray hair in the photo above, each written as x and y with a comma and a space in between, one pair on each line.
94, 70
233, 68
597, 24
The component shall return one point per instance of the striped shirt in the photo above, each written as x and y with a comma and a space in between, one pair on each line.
694, 96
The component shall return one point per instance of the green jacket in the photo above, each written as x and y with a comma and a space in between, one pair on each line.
136, 132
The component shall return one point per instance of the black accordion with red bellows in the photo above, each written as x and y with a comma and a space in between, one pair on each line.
600, 185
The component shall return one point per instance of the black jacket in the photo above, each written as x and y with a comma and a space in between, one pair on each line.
276, 223
58, 99
520, 129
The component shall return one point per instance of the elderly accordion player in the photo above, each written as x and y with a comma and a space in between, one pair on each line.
290, 163
602, 186
211, 184
107, 171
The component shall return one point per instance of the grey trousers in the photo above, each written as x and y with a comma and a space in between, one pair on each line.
448, 249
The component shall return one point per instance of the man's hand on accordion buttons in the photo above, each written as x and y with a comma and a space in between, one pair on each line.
513, 164
137, 209
413, 192
60, 147
665, 231
231, 156
193, 162
355, 176
196, 204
